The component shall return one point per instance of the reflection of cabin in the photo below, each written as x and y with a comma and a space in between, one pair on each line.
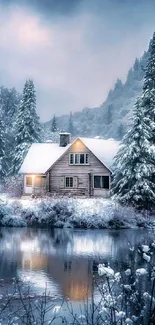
81, 167
74, 276
34, 262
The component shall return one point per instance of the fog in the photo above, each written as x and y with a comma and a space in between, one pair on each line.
73, 49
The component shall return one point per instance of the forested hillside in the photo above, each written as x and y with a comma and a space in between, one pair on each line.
111, 119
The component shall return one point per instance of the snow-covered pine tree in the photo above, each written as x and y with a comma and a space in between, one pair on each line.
120, 131
3, 160
134, 163
109, 114
70, 124
27, 126
9, 101
148, 96
54, 125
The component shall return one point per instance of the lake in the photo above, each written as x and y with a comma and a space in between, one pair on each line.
65, 260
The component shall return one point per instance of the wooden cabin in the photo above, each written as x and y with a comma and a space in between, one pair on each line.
81, 167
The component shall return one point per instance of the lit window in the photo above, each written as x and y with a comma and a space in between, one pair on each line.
28, 180
69, 181
101, 182
79, 159
39, 181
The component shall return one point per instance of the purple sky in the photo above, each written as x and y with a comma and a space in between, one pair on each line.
74, 51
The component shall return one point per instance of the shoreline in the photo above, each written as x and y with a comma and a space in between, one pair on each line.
72, 213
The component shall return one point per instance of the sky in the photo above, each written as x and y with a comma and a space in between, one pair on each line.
74, 50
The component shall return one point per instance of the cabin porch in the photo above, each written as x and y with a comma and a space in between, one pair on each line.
34, 184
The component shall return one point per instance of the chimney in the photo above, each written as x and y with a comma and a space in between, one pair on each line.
65, 139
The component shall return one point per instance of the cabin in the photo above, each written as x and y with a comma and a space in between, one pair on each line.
81, 167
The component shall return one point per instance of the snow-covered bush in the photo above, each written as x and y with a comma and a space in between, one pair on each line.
13, 186
128, 297
11, 214
75, 213
53, 213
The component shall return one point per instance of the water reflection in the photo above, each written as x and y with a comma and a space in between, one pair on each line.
67, 260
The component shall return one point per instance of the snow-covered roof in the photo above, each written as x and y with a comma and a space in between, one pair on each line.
104, 150
41, 156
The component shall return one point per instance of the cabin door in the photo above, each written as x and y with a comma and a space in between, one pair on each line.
28, 184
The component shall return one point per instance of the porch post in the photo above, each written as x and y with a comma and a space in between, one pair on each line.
33, 184
89, 184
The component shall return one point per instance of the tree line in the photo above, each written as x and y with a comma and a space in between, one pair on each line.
20, 126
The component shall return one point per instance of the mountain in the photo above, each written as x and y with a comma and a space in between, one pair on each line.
111, 119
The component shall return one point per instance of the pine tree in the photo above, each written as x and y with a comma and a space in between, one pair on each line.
27, 126
118, 85
148, 96
3, 162
9, 101
70, 124
120, 131
54, 125
134, 164
109, 114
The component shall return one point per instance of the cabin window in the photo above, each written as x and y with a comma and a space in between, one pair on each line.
82, 160
87, 158
71, 158
28, 180
79, 159
101, 182
39, 181
69, 182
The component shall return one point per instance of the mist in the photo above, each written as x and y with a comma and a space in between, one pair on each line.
73, 50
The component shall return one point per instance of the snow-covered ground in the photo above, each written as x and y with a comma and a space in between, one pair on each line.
76, 213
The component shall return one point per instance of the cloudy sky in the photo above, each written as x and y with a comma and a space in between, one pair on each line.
73, 49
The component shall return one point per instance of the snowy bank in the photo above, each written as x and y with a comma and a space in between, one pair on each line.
75, 213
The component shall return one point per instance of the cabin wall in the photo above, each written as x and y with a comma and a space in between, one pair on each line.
82, 174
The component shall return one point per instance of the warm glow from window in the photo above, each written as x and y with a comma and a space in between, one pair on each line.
28, 180
77, 143
29, 246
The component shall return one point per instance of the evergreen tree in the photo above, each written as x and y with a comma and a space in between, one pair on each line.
70, 124
3, 162
120, 131
109, 114
136, 65
129, 79
27, 126
134, 164
118, 85
9, 101
148, 96
54, 125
